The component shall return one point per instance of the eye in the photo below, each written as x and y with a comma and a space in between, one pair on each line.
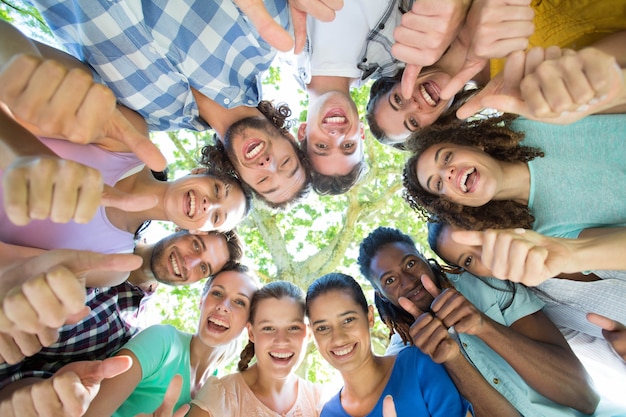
321, 329
241, 303
267, 328
413, 123
348, 145
196, 246
389, 280
438, 185
216, 293
397, 99
216, 219
262, 180
285, 162
349, 320
217, 190
204, 269
447, 158
468, 261
410, 264
321, 146
295, 328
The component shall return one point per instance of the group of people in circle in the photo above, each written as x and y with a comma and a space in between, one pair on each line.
524, 205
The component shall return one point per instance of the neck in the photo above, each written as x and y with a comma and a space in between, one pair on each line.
515, 182
203, 360
143, 277
221, 118
323, 84
278, 394
375, 371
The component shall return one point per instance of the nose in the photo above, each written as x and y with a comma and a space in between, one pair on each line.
281, 336
406, 281
192, 261
268, 162
223, 305
448, 173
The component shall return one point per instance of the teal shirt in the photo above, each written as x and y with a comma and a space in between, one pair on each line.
162, 351
580, 183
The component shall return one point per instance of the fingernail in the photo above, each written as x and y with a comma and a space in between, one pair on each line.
583, 108
593, 101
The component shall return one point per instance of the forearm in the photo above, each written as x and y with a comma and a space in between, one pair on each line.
598, 249
543, 364
471, 384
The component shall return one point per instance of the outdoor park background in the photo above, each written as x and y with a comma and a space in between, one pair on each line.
315, 237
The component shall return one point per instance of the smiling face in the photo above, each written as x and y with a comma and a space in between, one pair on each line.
463, 174
398, 117
279, 335
265, 159
202, 202
334, 134
341, 329
225, 308
183, 258
397, 271
465, 256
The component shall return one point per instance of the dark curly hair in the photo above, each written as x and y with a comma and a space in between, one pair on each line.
216, 155
395, 318
276, 290
497, 139
383, 85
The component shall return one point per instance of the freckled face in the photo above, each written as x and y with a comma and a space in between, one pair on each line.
462, 174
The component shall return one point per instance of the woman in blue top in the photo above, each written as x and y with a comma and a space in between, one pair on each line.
341, 321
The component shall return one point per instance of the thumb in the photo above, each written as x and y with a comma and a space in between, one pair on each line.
605, 322
468, 237
270, 31
409, 307
122, 130
298, 19
409, 77
474, 104
112, 367
84, 261
506, 104
465, 74
430, 286
127, 202
389, 408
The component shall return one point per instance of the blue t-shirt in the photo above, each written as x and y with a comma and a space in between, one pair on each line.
580, 183
419, 387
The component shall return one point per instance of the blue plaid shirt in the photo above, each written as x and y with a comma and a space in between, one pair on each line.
150, 53
113, 319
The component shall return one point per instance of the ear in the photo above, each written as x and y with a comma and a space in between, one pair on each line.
250, 332
370, 316
302, 131
362, 130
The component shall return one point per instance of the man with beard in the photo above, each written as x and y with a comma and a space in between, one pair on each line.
115, 312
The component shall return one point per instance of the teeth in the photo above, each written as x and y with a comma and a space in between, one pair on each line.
427, 96
335, 119
281, 355
255, 151
464, 179
219, 322
344, 351
175, 266
192, 204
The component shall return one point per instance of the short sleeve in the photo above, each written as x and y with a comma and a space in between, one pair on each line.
214, 399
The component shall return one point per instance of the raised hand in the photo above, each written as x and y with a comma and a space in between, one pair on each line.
389, 408
42, 293
453, 309
552, 85
428, 332
613, 331
68, 393
67, 103
424, 34
169, 401
276, 35
493, 29
41, 187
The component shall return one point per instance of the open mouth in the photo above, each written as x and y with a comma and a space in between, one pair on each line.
415, 294
174, 265
335, 117
430, 93
253, 148
217, 325
191, 204
281, 356
467, 180
343, 351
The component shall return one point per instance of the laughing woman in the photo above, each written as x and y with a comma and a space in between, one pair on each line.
269, 388
341, 321
562, 181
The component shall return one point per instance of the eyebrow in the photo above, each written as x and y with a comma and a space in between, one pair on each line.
436, 159
346, 313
